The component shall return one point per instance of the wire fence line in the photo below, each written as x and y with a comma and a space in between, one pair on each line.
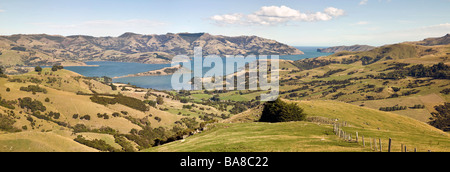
375, 144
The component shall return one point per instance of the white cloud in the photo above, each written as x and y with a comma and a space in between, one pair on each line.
274, 15
1, 11
334, 11
228, 18
363, 2
362, 23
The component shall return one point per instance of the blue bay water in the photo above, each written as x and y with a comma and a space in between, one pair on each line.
116, 69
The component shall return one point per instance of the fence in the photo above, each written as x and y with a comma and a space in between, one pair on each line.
375, 144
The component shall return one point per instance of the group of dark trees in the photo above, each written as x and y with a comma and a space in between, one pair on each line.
57, 67
397, 107
441, 118
54, 68
7, 103
34, 88
120, 99
7, 124
393, 108
104, 116
97, 144
418, 106
51, 116
446, 91
280, 111
32, 105
19, 48
437, 71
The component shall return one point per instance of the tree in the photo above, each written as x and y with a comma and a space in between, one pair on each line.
113, 87
38, 69
159, 100
56, 67
441, 118
280, 111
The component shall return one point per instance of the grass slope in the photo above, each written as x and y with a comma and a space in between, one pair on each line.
316, 137
40, 142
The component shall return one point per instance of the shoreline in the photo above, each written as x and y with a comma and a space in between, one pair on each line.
159, 72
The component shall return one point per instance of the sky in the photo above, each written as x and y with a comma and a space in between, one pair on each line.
294, 22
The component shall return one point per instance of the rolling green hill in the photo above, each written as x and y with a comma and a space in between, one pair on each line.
316, 136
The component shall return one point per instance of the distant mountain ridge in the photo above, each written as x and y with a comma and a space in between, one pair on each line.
352, 48
131, 47
445, 40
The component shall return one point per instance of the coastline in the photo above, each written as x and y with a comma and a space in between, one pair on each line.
160, 72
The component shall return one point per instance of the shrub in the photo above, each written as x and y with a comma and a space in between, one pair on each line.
18, 48
159, 100
33, 105
38, 69
446, 91
280, 111
7, 103
47, 100
104, 116
56, 67
86, 117
7, 124
396, 89
184, 100
151, 103
187, 107
116, 114
8, 89
113, 87
34, 89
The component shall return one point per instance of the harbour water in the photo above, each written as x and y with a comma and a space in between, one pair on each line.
116, 69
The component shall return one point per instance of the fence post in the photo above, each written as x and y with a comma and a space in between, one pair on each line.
401, 150
375, 144
389, 147
364, 144
356, 137
339, 132
381, 147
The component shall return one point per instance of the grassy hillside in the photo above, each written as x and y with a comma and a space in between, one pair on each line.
40, 142
369, 78
315, 136
66, 98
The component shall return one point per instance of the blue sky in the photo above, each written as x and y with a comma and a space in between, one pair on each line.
295, 22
